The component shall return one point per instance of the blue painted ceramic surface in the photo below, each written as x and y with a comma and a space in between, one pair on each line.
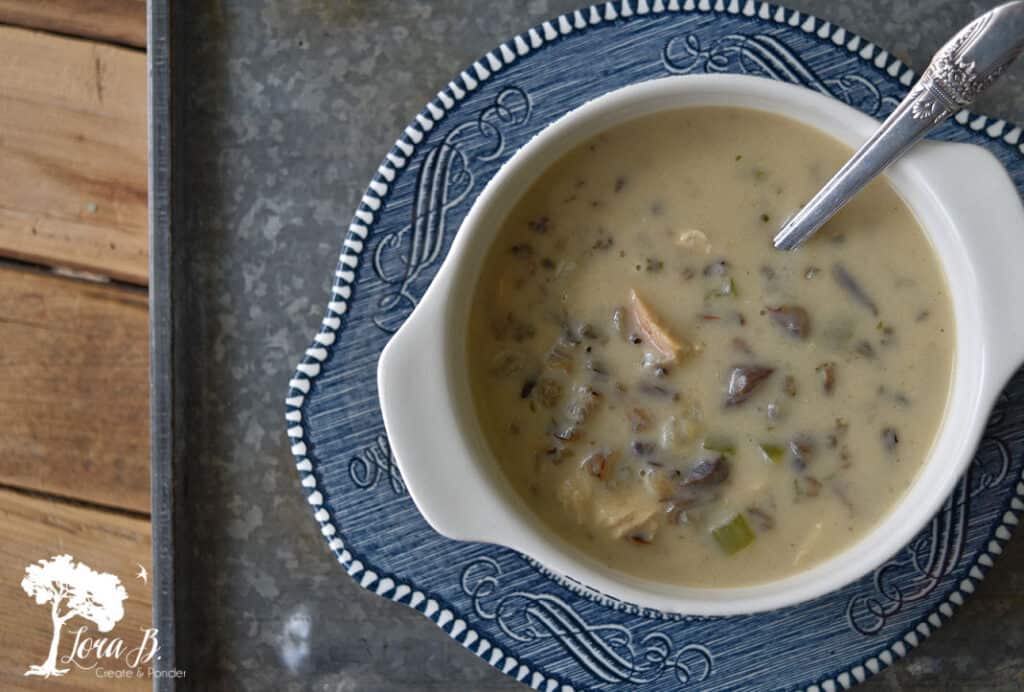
547, 632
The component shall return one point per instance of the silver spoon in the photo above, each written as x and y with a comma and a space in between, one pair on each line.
958, 73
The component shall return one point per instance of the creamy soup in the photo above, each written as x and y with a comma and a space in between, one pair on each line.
678, 399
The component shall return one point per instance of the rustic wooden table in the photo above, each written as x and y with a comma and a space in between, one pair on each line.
74, 408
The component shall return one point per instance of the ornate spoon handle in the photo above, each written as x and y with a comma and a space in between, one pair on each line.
962, 69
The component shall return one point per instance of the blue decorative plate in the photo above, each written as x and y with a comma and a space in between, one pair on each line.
544, 631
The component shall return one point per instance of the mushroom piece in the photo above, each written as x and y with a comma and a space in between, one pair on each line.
710, 470
597, 464
849, 284
827, 375
802, 448
743, 380
793, 319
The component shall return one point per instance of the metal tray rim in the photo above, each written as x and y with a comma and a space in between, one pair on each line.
164, 479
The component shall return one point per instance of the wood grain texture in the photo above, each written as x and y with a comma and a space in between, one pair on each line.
74, 402
33, 529
73, 154
121, 21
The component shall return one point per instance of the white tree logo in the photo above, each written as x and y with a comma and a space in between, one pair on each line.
72, 589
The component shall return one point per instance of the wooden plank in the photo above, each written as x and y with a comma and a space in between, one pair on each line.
120, 21
73, 154
74, 401
33, 529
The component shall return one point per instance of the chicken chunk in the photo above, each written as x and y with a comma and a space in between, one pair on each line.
621, 512
668, 347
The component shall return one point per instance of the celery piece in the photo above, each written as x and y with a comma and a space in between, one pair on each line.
719, 443
727, 289
772, 453
734, 535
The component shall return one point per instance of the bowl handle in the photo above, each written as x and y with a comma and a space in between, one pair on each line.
988, 205
427, 443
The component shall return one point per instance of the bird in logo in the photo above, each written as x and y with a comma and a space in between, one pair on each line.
143, 574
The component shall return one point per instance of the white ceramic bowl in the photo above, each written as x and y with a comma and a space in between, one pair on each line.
962, 197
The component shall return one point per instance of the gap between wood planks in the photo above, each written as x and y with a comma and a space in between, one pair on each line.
75, 502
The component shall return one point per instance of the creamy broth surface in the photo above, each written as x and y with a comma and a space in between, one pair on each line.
676, 398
